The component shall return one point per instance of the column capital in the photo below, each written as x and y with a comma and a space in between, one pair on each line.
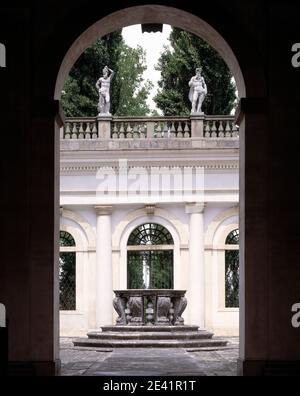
103, 210
195, 207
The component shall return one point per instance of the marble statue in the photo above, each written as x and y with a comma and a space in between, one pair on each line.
198, 91
103, 86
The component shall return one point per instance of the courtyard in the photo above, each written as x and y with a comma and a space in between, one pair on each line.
77, 361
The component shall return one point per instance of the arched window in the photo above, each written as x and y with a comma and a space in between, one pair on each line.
150, 258
67, 272
232, 270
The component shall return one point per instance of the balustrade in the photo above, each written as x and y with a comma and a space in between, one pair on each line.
222, 127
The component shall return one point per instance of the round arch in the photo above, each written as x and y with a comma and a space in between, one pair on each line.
83, 223
210, 235
162, 215
129, 225
150, 14
77, 234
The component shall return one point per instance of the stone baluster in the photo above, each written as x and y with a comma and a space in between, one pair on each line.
165, 130
88, 131
136, 133
173, 130
122, 131
207, 130
179, 130
214, 130
228, 129
150, 312
68, 131
94, 131
186, 130
81, 131
74, 131
128, 131
115, 134
221, 130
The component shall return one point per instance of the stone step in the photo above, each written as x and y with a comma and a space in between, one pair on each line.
199, 335
112, 343
151, 329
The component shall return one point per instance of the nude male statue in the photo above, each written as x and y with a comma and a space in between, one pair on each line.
198, 91
103, 86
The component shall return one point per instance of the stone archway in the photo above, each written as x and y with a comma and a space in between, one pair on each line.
252, 110
150, 14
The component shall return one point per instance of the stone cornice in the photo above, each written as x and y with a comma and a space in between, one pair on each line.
148, 144
72, 168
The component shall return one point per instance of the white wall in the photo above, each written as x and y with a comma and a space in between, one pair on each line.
222, 194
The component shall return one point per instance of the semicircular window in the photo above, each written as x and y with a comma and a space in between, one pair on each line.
67, 272
232, 270
150, 258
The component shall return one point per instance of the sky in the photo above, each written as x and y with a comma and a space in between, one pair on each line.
153, 43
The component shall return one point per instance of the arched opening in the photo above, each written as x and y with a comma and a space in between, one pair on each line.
150, 258
232, 270
152, 14
67, 272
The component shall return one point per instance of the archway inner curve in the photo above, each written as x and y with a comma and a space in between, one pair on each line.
150, 14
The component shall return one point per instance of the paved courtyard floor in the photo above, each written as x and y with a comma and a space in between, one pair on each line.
77, 361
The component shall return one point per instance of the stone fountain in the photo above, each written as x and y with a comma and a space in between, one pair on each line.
150, 318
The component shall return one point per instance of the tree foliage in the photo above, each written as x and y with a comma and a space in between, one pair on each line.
129, 91
177, 65
133, 90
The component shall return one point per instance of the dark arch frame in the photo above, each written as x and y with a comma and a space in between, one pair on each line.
252, 118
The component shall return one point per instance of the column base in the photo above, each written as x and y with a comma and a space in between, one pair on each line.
32, 369
265, 368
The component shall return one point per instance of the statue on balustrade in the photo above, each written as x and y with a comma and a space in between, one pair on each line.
198, 92
103, 86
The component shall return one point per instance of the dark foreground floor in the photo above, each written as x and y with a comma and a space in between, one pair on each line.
146, 362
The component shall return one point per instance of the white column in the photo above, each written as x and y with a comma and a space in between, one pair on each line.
104, 288
196, 292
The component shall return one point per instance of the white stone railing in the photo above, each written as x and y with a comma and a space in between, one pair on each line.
220, 127
80, 128
150, 127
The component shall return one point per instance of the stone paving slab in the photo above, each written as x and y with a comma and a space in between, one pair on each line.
78, 361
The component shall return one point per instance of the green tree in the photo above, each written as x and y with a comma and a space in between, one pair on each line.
128, 90
177, 65
135, 270
133, 90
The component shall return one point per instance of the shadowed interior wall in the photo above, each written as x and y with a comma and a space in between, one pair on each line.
37, 39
